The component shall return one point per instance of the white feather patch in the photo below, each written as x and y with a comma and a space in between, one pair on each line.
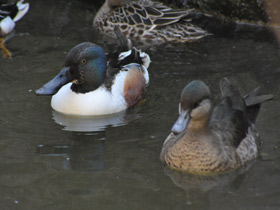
22, 10
7, 25
98, 102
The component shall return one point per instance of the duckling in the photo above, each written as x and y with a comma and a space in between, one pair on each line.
147, 21
206, 140
93, 83
9, 15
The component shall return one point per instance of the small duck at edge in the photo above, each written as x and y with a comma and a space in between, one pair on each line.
207, 141
147, 21
88, 86
9, 14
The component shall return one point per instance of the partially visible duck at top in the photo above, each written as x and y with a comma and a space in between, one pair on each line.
207, 140
93, 83
147, 21
9, 15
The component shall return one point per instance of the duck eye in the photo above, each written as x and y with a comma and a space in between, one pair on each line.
84, 61
197, 103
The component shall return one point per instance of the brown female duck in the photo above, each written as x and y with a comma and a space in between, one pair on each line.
147, 21
206, 140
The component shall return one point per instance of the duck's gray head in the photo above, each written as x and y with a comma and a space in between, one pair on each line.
85, 66
194, 104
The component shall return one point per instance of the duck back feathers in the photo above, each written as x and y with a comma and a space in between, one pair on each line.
124, 57
147, 21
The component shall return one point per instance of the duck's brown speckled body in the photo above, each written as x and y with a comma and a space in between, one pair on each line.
203, 141
147, 21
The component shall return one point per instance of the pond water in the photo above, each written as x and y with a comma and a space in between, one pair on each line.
49, 162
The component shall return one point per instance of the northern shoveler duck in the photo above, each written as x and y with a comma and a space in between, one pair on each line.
147, 21
86, 85
9, 14
206, 140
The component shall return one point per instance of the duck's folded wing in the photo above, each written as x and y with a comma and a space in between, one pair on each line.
229, 117
149, 15
228, 90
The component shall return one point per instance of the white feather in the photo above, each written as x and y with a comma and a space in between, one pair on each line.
124, 55
23, 9
7, 25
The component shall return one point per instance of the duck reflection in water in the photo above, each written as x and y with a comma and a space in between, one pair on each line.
94, 123
197, 187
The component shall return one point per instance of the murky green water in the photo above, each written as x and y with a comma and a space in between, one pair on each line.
45, 165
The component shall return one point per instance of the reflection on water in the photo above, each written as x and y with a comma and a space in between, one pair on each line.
199, 187
78, 157
88, 124
94, 123
190, 182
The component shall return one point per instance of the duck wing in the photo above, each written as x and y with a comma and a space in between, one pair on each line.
229, 117
123, 57
148, 14
124, 53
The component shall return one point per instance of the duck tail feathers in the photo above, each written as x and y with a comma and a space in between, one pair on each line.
254, 97
253, 102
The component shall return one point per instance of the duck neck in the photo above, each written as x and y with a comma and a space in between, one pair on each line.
198, 126
86, 87
91, 80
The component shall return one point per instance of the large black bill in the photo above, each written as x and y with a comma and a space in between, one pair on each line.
56, 83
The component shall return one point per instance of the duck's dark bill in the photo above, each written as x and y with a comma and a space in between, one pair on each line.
56, 83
